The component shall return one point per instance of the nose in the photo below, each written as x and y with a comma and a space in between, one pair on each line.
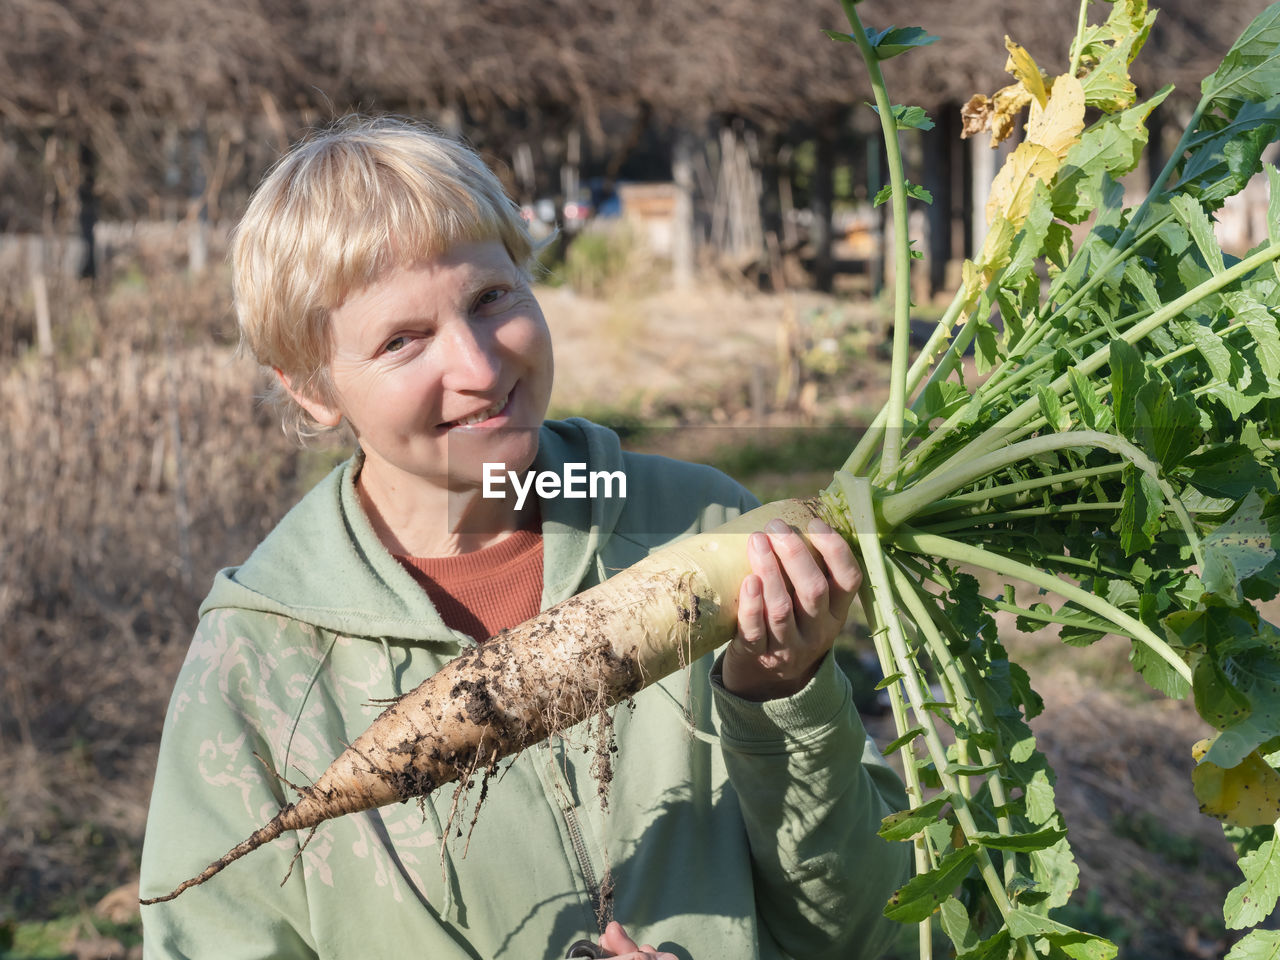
471, 361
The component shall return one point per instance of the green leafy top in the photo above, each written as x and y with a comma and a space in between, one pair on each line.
1117, 451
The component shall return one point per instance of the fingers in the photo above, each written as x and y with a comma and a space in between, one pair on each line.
615, 939
845, 574
777, 615
751, 629
617, 942
795, 587
790, 609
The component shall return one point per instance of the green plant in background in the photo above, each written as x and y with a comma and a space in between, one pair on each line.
601, 258
1118, 452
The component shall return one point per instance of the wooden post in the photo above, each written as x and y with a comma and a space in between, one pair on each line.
682, 238
197, 212
984, 171
87, 194
40, 296
820, 203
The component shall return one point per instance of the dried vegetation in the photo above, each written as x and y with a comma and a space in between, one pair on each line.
133, 463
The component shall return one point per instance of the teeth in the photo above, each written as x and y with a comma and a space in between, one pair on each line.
484, 414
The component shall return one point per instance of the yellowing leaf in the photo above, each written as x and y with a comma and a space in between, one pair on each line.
995, 246
1246, 795
1014, 186
1005, 107
1057, 126
1022, 66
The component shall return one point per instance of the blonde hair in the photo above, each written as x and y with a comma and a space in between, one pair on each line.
338, 211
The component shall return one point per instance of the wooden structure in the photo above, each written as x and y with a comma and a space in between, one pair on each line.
119, 109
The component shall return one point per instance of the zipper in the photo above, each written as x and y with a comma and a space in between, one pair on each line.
574, 829
584, 861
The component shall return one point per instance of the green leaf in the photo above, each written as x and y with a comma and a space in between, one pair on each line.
1055, 872
898, 40
1109, 149
903, 740
1222, 159
1257, 945
913, 117
1094, 414
923, 894
995, 947
1107, 85
1166, 425
1210, 346
1273, 205
1051, 409
913, 190
1020, 842
1127, 377
1253, 901
955, 923
1251, 68
905, 824
1030, 240
1039, 797
1237, 550
1261, 322
1193, 217
841, 37
986, 345
1158, 674
1143, 504
1072, 942
1228, 470
1217, 700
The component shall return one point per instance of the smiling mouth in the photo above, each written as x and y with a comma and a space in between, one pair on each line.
486, 414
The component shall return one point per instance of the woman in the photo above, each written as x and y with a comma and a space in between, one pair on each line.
382, 274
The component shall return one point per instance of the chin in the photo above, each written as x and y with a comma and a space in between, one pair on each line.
515, 449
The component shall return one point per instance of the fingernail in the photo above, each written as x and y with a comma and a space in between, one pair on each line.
758, 542
776, 526
752, 586
817, 526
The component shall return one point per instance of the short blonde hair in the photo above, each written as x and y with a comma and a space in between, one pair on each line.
337, 212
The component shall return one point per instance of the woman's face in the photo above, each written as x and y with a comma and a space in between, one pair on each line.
442, 366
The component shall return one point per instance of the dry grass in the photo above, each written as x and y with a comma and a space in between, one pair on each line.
132, 467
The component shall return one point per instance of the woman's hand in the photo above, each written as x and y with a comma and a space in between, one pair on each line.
616, 941
790, 610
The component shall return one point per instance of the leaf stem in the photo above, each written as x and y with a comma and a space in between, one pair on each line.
1077, 45
943, 548
979, 519
896, 508
998, 432
857, 492
891, 449
966, 702
862, 453
1022, 486
910, 768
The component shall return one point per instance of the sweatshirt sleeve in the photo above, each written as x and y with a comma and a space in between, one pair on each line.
813, 789
211, 792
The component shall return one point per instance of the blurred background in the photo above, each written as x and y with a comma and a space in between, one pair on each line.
706, 173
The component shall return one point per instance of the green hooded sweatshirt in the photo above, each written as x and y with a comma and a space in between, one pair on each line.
730, 829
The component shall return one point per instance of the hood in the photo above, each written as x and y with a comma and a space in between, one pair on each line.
324, 565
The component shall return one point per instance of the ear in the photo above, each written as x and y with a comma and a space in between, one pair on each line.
323, 414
